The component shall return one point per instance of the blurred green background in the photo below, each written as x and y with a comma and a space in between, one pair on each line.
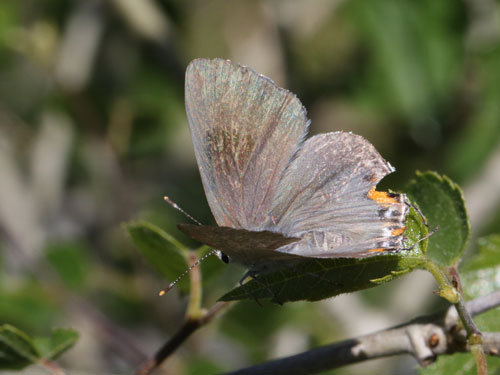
93, 133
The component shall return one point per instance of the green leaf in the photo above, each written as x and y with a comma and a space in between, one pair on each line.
317, 279
479, 277
161, 250
459, 364
57, 343
480, 274
201, 366
442, 203
314, 279
28, 305
71, 263
16, 348
416, 57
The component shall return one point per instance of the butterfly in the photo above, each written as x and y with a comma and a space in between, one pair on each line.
277, 196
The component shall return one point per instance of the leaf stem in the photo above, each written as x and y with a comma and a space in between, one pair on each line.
175, 242
446, 289
452, 291
194, 310
478, 353
474, 336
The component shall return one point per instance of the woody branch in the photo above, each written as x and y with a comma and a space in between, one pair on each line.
425, 338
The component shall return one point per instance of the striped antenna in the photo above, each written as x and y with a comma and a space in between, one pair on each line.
196, 263
176, 206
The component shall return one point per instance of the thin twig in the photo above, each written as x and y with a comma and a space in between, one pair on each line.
187, 329
477, 351
51, 366
194, 310
474, 336
425, 338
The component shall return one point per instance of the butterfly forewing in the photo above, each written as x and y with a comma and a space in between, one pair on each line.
245, 130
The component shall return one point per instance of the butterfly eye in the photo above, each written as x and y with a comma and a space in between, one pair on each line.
223, 257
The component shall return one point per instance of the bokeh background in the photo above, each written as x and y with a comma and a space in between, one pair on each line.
93, 133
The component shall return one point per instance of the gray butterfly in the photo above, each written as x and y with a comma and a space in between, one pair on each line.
278, 197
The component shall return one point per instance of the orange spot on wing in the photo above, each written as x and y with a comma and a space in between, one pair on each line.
381, 196
398, 232
376, 250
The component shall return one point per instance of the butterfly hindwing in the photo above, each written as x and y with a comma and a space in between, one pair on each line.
255, 250
327, 196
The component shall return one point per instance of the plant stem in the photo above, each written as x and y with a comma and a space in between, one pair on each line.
389, 342
478, 353
451, 291
194, 310
186, 330
446, 289
51, 366
474, 337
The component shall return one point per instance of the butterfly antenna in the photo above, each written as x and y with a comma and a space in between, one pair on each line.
176, 206
195, 264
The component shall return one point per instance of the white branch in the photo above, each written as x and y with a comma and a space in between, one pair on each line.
424, 338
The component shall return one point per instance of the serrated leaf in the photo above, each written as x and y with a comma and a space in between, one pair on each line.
161, 251
481, 274
442, 203
315, 279
16, 348
57, 343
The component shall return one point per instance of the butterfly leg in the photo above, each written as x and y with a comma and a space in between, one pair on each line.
324, 279
253, 276
422, 239
414, 206
430, 233
243, 285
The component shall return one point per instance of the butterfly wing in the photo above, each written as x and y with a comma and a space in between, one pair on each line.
245, 130
327, 196
252, 249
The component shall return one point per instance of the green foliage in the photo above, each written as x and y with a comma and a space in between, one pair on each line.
59, 341
19, 350
481, 135
317, 279
161, 250
442, 203
479, 277
480, 274
29, 306
70, 262
418, 79
459, 364
202, 366
416, 53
